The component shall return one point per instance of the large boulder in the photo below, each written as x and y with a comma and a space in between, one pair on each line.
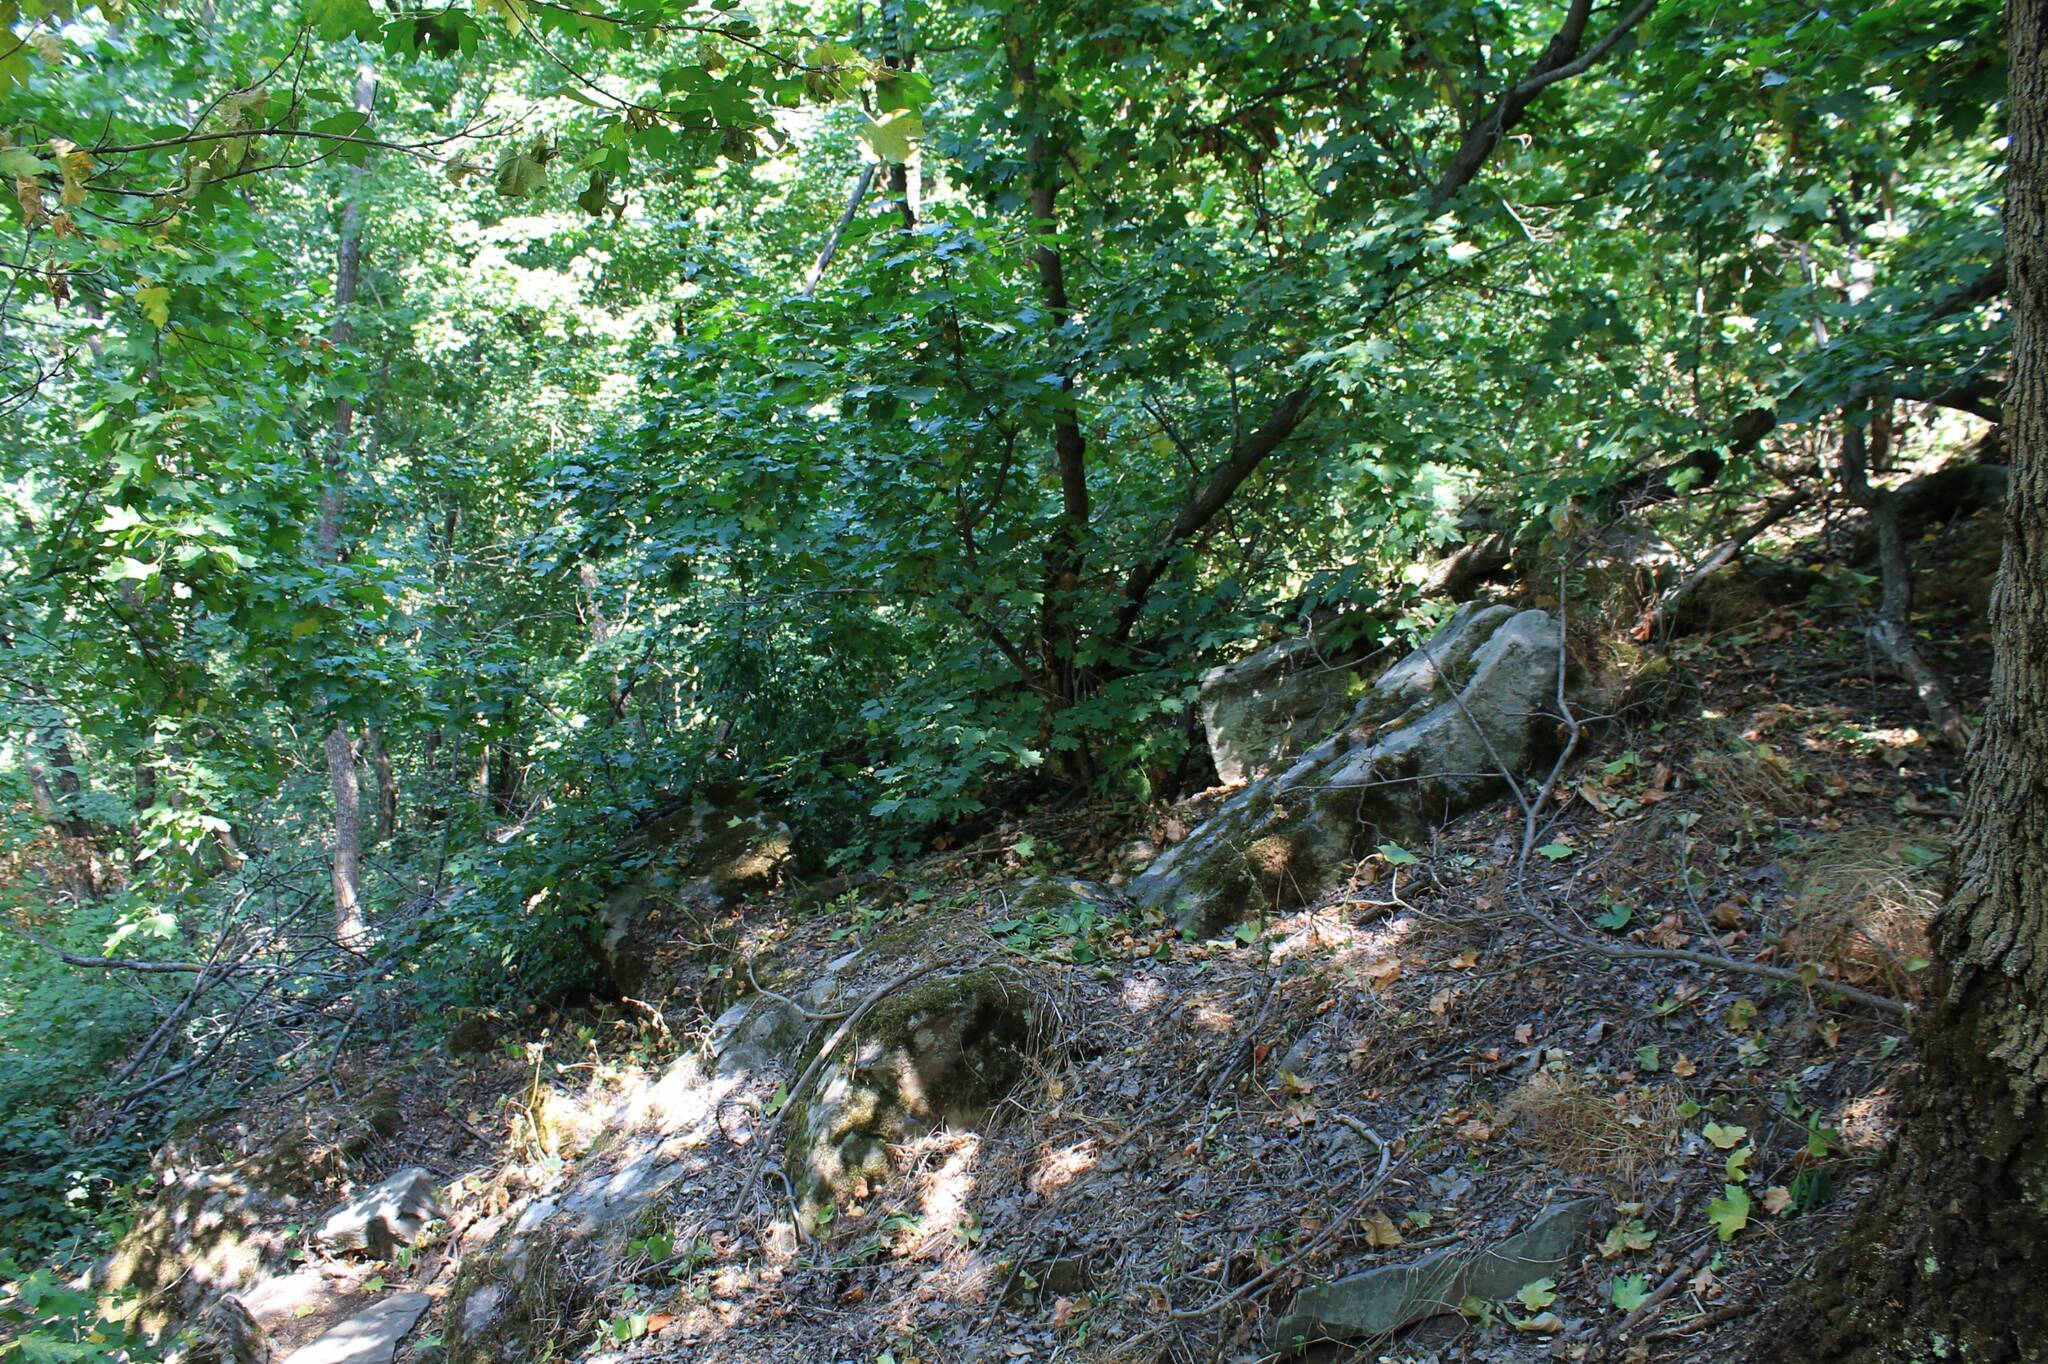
1267, 708
943, 1050
207, 1233
1436, 734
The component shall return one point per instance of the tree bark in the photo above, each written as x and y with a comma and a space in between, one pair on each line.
341, 770
1937, 1264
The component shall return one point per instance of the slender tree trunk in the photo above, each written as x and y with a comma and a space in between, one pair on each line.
1947, 1259
387, 783
1891, 631
341, 770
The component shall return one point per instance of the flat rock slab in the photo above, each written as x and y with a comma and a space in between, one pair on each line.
384, 1217
1385, 1299
368, 1337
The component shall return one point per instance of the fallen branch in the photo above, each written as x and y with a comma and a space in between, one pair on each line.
1735, 964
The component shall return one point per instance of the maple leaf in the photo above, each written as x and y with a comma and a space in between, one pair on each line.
1730, 1212
1725, 1138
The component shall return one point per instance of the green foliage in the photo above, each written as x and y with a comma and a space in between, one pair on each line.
1156, 330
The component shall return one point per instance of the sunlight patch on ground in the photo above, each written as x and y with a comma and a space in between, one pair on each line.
1060, 1167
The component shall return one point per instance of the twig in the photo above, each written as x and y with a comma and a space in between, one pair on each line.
1747, 968
1683, 1271
1178, 1315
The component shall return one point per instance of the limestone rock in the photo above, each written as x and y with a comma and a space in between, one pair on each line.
369, 1337
381, 1218
1429, 740
525, 1291
942, 1050
1387, 1298
1266, 709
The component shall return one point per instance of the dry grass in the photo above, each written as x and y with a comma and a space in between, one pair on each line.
1864, 908
1738, 780
1588, 1133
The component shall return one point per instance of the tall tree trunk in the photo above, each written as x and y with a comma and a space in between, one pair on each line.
341, 769
1937, 1264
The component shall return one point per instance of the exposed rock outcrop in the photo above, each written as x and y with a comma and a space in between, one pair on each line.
943, 1047
379, 1219
1434, 735
1386, 1298
1264, 710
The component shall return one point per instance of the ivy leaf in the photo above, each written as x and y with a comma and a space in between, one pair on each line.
1537, 1294
1730, 1212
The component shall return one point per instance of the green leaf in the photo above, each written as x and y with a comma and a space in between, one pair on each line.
1736, 1168
20, 162
1726, 1137
156, 304
337, 19
1628, 1292
1397, 855
894, 138
1557, 852
1615, 918
1537, 1294
1730, 1212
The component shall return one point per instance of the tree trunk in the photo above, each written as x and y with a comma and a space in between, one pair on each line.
341, 770
387, 783
1937, 1264
348, 835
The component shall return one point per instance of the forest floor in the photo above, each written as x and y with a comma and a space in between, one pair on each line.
1417, 1061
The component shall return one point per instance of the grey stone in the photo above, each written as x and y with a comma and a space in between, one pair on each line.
1432, 738
381, 1218
943, 1050
1387, 1298
369, 1337
1265, 709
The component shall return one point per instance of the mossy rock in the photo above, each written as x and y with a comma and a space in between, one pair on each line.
709, 853
515, 1299
940, 1051
206, 1233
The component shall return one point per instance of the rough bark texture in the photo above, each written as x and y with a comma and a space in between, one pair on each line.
1946, 1260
